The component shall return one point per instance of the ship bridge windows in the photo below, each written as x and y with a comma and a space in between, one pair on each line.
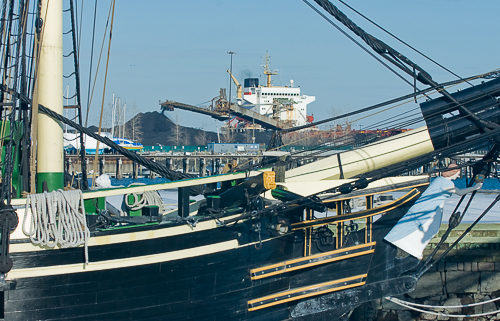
279, 94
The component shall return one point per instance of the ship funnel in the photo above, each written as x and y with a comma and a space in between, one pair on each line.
448, 125
251, 82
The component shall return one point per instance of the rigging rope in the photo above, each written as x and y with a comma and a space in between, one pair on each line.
406, 305
455, 219
376, 44
364, 179
99, 60
392, 101
104, 89
443, 306
57, 218
409, 122
403, 42
91, 60
154, 166
337, 143
400, 61
357, 42
425, 267
9, 148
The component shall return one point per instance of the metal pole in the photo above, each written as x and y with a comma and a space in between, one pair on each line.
231, 69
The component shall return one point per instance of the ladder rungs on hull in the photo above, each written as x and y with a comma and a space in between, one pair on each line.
306, 292
312, 260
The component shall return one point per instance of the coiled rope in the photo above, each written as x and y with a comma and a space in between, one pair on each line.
412, 306
148, 198
57, 218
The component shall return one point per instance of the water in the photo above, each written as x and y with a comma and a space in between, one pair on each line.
146, 181
128, 181
488, 184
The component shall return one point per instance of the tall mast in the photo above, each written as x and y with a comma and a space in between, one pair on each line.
113, 108
50, 159
268, 71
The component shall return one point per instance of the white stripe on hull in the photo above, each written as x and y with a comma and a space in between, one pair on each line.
121, 263
119, 238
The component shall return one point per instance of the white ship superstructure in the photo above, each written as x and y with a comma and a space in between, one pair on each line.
282, 103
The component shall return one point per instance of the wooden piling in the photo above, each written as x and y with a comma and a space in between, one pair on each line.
118, 168
101, 165
280, 170
203, 167
217, 166
134, 170
152, 174
68, 165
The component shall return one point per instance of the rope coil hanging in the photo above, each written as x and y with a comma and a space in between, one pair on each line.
57, 218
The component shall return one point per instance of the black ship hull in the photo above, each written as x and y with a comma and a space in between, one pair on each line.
236, 272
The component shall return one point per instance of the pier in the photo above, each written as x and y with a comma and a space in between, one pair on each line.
116, 165
470, 273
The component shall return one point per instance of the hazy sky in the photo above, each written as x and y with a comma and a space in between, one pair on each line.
177, 50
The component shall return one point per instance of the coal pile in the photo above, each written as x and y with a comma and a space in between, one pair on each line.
154, 128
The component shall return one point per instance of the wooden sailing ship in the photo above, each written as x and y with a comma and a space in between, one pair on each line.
253, 249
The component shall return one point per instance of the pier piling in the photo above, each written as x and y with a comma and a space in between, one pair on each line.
118, 168
152, 174
217, 166
134, 170
203, 167
68, 165
101, 166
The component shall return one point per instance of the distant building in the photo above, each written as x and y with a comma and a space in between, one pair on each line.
233, 148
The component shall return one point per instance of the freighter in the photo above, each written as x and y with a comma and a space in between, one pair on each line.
284, 103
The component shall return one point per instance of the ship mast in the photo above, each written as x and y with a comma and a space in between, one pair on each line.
268, 71
50, 158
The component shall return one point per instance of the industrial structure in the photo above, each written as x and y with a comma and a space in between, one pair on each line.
271, 107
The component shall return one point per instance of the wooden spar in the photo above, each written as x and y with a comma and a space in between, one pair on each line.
389, 151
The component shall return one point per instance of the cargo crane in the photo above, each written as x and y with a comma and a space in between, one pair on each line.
238, 86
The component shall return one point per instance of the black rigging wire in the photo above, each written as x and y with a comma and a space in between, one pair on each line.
14, 136
154, 166
316, 152
403, 42
393, 170
403, 63
389, 102
386, 123
357, 42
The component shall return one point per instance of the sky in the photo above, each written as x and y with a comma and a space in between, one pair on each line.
177, 50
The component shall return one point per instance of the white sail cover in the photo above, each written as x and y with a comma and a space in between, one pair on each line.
417, 227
